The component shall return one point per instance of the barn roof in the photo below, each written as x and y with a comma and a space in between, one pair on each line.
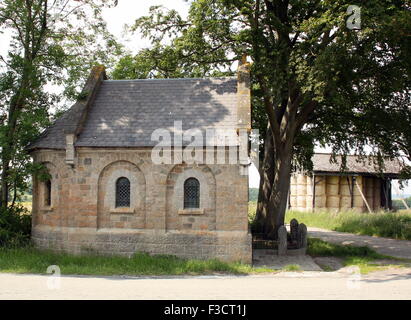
355, 165
125, 113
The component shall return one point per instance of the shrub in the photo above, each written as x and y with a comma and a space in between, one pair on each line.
15, 227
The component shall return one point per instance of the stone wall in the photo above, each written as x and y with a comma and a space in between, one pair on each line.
82, 215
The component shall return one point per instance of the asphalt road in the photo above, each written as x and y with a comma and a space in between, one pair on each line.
392, 284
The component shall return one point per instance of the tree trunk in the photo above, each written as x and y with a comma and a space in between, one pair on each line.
274, 188
4, 185
279, 193
266, 182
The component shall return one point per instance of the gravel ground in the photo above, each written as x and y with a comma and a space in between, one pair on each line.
347, 284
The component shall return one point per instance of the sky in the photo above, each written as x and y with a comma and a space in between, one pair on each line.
127, 12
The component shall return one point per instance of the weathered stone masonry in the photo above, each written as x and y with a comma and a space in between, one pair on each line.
82, 218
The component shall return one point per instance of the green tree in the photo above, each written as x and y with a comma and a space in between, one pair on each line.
52, 43
314, 78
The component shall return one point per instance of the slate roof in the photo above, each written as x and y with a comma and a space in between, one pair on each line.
126, 112
321, 162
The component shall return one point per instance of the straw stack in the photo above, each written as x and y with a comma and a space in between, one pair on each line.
333, 192
293, 192
309, 198
358, 202
345, 185
369, 191
301, 191
320, 196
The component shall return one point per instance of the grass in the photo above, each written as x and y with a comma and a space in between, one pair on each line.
362, 257
395, 225
292, 268
29, 260
33, 261
252, 208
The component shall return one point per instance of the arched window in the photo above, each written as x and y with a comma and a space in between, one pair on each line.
47, 193
123, 193
191, 194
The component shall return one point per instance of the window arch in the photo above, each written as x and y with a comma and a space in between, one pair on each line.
47, 193
191, 194
122, 193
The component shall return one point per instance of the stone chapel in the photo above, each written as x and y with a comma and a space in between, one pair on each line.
106, 195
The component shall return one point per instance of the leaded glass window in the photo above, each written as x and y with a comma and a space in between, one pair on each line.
191, 193
123, 193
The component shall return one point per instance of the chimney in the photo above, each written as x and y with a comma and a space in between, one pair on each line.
244, 94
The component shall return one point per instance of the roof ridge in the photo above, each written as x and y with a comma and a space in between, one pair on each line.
170, 79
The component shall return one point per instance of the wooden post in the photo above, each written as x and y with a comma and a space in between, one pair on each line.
363, 197
351, 187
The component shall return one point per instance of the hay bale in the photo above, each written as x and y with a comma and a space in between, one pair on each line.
358, 202
333, 185
301, 190
301, 179
320, 187
301, 201
293, 201
309, 202
345, 187
309, 186
345, 203
333, 202
360, 184
320, 201
369, 191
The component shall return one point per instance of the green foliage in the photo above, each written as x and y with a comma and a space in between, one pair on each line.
52, 43
292, 268
15, 227
382, 224
161, 62
30, 260
308, 44
313, 79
